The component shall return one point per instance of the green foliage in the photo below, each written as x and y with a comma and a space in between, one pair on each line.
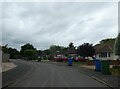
117, 45
54, 49
11, 51
71, 45
39, 52
46, 52
86, 50
5, 49
25, 47
30, 53
43, 53
17, 56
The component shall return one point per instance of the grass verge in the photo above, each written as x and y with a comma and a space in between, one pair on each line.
115, 71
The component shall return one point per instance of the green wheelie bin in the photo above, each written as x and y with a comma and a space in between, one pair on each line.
105, 67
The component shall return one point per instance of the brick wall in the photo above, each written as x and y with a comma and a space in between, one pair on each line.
114, 62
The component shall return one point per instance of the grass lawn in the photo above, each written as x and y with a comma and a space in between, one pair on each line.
115, 71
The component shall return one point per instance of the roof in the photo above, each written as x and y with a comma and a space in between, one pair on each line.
105, 47
71, 51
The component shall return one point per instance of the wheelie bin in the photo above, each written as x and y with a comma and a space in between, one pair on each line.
70, 61
105, 67
97, 65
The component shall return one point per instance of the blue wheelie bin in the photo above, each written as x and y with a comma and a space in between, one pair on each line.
70, 61
97, 65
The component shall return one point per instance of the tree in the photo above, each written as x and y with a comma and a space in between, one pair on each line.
5, 48
39, 52
117, 45
71, 45
46, 52
12, 51
25, 47
54, 49
86, 50
107, 40
30, 54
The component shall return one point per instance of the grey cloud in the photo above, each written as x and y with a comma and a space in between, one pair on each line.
44, 24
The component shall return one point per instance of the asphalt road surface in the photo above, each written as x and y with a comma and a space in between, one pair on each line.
46, 74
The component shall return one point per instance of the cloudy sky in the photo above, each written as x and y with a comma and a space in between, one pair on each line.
47, 23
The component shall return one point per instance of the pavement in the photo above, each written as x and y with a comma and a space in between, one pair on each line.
52, 74
109, 80
8, 66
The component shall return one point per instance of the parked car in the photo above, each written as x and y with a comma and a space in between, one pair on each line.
59, 59
81, 59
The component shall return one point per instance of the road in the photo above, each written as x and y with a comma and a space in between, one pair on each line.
14, 74
46, 74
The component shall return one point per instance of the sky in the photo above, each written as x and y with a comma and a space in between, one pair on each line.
46, 23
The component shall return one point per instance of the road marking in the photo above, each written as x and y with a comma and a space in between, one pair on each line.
102, 82
6, 85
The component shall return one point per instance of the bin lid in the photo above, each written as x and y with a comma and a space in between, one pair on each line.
105, 60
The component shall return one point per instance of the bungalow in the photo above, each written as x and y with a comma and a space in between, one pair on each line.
72, 52
105, 51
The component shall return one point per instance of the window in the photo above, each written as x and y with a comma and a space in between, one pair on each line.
99, 55
109, 54
103, 54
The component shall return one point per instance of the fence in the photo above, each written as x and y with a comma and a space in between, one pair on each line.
5, 57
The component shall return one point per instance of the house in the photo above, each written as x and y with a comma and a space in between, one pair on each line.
105, 51
72, 52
